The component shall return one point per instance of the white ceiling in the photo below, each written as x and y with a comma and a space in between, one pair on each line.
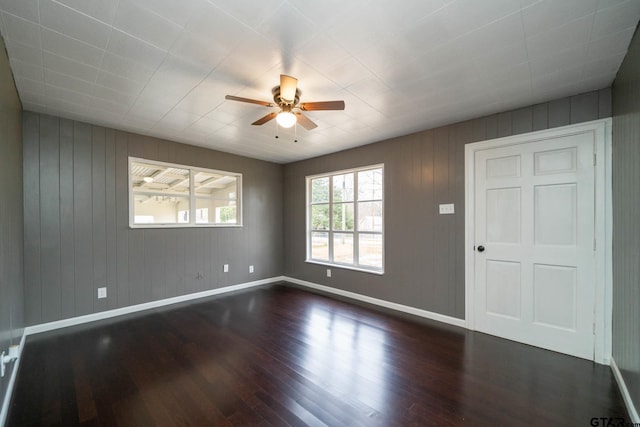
163, 67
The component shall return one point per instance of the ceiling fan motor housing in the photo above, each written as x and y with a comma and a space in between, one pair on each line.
285, 103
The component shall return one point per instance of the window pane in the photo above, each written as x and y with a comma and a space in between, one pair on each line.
370, 184
320, 190
343, 248
370, 216
150, 209
343, 216
343, 188
216, 198
160, 193
320, 246
370, 250
320, 217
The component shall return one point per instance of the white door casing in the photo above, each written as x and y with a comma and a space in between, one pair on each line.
537, 204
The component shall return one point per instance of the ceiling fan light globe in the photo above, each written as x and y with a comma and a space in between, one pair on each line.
286, 119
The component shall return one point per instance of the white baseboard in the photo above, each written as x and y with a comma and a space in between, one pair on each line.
380, 302
14, 373
633, 413
44, 327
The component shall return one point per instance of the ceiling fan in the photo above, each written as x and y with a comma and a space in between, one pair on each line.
287, 98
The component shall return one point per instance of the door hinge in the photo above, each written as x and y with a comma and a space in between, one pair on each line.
594, 328
595, 156
594, 244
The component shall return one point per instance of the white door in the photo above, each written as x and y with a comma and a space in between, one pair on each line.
534, 236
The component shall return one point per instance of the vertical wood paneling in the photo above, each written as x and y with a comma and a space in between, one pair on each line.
441, 235
12, 232
31, 185
428, 213
435, 242
522, 120
478, 130
50, 217
137, 257
465, 135
78, 228
83, 218
540, 117
155, 264
67, 251
99, 210
504, 124
626, 227
122, 221
584, 107
491, 126
455, 140
110, 219
172, 255
604, 103
559, 112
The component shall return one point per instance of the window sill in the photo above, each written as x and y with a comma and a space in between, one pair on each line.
160, 226
346, 267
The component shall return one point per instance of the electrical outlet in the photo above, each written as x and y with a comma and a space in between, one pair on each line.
251, 269
328, 272
102, 292
225, 268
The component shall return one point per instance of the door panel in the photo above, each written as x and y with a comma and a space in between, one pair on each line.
534, 214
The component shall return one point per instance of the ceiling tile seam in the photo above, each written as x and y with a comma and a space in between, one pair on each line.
20, 18
526, 50
76, 78
78, 11
92, 98
112, 28
244, 24
4, 26
104, 51
448, 41
593, 21
213, 69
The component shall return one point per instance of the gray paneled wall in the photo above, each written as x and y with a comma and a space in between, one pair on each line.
77, 237
11, 220
626, 220
424, 251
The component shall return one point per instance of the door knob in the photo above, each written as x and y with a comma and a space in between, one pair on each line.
480, 248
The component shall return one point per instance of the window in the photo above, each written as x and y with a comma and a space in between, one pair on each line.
345, 219
169, 195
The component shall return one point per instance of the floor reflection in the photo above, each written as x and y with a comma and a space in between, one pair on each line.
346, 356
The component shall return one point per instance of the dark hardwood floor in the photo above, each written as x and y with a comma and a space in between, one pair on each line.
282, 356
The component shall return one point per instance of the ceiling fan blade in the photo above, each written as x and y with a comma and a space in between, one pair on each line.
305, 121
325, 105
288, 86
251, 101
265, 119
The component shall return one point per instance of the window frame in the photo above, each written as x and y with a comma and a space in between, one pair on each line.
192, 196
330, 231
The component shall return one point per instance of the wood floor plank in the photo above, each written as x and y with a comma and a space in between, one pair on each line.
278, 355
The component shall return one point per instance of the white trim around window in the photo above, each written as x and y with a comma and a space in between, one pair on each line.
345, 219
169, 195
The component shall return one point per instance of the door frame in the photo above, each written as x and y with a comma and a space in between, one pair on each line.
603, 227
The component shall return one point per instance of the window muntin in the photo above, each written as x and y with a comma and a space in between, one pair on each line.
170, 195
345, 219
